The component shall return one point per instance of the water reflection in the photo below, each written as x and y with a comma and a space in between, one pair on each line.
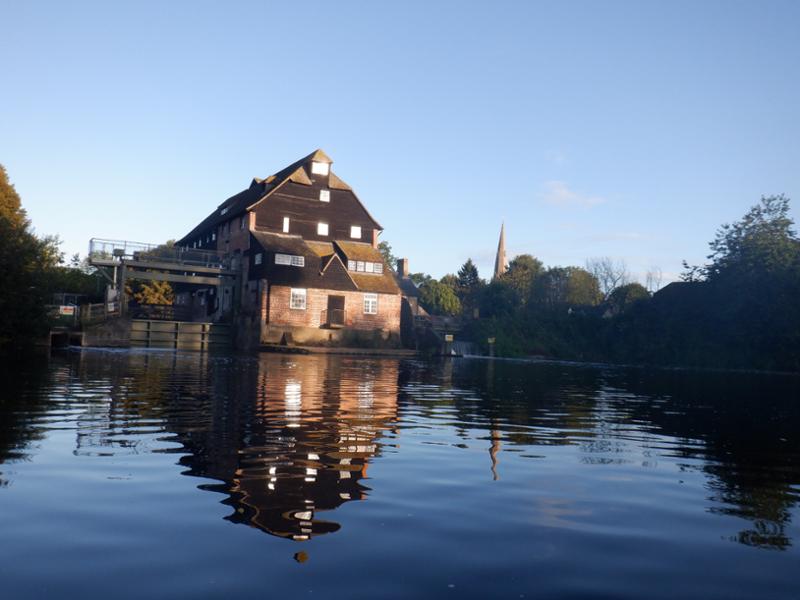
288, 439
300, 443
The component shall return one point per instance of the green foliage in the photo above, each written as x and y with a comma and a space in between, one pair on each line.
25, 262
522, 271
438, 298
468, 278
762, 243
10, 205
624, 297
566, 286
388, 257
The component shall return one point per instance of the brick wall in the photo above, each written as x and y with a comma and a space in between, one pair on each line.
388, 317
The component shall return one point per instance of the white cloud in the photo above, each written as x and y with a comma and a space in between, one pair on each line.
558, 193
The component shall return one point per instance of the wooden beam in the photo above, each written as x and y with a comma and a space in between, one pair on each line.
156, 276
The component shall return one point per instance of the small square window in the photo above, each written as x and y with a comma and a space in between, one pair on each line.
297, 300
319, 168
285, 224
258, 258
322, 229
370, 304
378, 267
324, 196
355, 232
360, 266
351, 265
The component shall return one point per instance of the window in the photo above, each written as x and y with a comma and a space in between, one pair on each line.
322, 229
297, 300
370, 304
241, 222
355, 232
365, 267
214, 236
288, 259
285, 224
224, 211
324, 196
258, 258
319, 168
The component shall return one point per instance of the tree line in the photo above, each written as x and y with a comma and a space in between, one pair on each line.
740, 310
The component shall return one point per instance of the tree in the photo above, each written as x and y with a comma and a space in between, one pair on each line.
468, 277
10, 204
653, 279
570, 286
150, 292
763, 241
610, 274
522, 270
450, 281
625, 296
25, 262
388, 257
438, 299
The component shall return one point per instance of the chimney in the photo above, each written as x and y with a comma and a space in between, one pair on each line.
402, 267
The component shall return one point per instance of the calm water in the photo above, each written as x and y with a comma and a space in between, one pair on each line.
158, 475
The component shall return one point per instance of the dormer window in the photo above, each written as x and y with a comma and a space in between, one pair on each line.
319, 168
324, 195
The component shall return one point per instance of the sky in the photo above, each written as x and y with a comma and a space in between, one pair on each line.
631, 130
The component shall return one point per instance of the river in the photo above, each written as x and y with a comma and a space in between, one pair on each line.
131, 474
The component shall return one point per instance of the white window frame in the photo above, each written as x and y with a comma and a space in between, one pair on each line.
297, 298
377, 268
351, 265
241, 222
355, 232
370, 304
320, 168
322, 228
258, 258
324, 195
290, 260
285, 224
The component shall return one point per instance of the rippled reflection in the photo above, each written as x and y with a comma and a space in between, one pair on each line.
288, 439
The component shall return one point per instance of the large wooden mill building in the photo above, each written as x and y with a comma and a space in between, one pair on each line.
307, 251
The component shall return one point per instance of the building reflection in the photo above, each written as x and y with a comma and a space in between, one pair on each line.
304, 433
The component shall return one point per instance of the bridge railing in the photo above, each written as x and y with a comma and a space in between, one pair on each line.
139, 251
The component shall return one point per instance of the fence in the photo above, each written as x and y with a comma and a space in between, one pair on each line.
94, 313
141, 252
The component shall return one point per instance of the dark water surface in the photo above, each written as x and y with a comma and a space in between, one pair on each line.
130, 474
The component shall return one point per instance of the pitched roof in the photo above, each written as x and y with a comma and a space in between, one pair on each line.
261, 188
379, 284
321, 248
283, 243
359, 251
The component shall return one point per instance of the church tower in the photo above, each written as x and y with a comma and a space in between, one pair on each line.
500, 260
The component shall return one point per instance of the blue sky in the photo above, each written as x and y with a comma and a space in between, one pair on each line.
623, 129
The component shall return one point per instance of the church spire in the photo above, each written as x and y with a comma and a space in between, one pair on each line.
500, 260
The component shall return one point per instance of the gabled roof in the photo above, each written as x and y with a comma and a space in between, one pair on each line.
260, 189
359, 251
